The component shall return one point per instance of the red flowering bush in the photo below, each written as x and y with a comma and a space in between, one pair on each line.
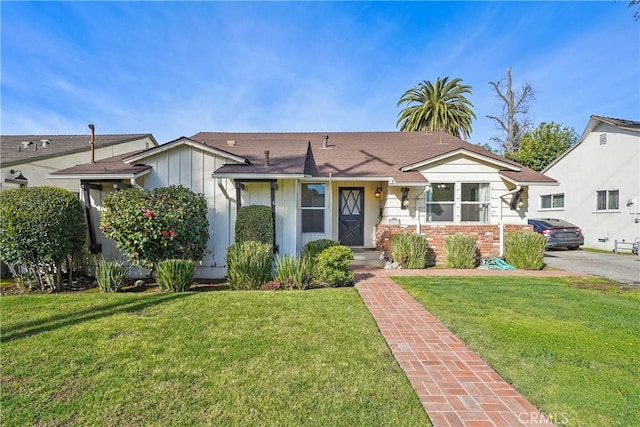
150, 226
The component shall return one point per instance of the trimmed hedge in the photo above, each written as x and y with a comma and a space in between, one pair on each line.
255, 223
332, 267
39, 228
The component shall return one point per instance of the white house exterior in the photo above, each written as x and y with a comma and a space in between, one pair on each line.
355, 187
598, 184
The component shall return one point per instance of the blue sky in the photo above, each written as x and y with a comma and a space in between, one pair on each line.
177, 68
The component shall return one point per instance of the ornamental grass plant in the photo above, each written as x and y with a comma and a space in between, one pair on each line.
525, 250
249, 265
460, 251
110, 275
175, 275
410, 250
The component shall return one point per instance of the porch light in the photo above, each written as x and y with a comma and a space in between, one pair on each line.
378, 192
405, 198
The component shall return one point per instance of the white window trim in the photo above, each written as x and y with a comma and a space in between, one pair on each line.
607, 210
458, 203
541, 209
315, 208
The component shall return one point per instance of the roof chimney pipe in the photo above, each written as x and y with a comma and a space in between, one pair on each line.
93, 142
266, 157
325, 143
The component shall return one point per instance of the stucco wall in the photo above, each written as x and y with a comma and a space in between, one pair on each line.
591, 167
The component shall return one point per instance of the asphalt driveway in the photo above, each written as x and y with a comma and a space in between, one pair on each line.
621, 268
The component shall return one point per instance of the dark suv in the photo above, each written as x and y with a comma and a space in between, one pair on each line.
559, 233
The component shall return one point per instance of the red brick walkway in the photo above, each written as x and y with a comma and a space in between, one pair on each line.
456, 387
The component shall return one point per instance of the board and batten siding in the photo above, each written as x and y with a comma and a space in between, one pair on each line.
192, 168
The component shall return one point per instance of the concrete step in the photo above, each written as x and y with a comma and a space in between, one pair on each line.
367, 257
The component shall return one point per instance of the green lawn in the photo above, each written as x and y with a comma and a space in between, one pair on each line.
312, 358
573, 352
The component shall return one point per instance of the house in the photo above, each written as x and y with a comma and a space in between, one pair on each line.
598, 184
355, 187
33, 157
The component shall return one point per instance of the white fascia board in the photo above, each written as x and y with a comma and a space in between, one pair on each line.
99, 177
344, 178
256, 176
184, 141
527, 183
457, 152
408, 184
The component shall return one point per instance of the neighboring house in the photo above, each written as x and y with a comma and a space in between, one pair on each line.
27, 160
35, 156
599, 184
355, 187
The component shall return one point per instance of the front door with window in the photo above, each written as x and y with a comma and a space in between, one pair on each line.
351, 216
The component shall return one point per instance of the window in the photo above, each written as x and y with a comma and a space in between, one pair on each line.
475, 202
552, 201
472, 203
313, 207
440, 202
607, 200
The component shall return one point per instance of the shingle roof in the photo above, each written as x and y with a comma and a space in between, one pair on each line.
19, 149
111, 166
620, 123
349, 154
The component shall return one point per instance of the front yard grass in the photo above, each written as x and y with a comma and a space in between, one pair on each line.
312, 358
571, 346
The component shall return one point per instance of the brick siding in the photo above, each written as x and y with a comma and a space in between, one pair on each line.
487, 237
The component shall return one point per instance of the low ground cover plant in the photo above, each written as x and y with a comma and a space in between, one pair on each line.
571, 346
200, 359
409, 250
524, 250
460, 251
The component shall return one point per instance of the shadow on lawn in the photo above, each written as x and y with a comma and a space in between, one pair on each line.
26, 329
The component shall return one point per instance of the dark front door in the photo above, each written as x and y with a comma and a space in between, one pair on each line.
351, 216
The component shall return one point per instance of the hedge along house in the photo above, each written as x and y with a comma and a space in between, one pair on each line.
355, 187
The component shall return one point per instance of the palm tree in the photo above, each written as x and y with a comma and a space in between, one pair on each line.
439, 107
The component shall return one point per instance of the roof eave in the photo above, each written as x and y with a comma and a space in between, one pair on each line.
444, 156
100, 176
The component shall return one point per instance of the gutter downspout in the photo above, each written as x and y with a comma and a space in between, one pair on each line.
135, 184
500, 222
418, 225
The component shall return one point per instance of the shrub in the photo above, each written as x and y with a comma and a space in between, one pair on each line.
175, 275
293, 272
524, 250
111, 275
460, 251
409, 250
332, 266
273, 285
249, 264
149, 226
39, 228
254, 223
312, 249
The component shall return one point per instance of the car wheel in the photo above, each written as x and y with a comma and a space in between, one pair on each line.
573, 248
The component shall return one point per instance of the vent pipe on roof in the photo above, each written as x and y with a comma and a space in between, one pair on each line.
325, 143
93, 142
231, 142
266, 157
45, 143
